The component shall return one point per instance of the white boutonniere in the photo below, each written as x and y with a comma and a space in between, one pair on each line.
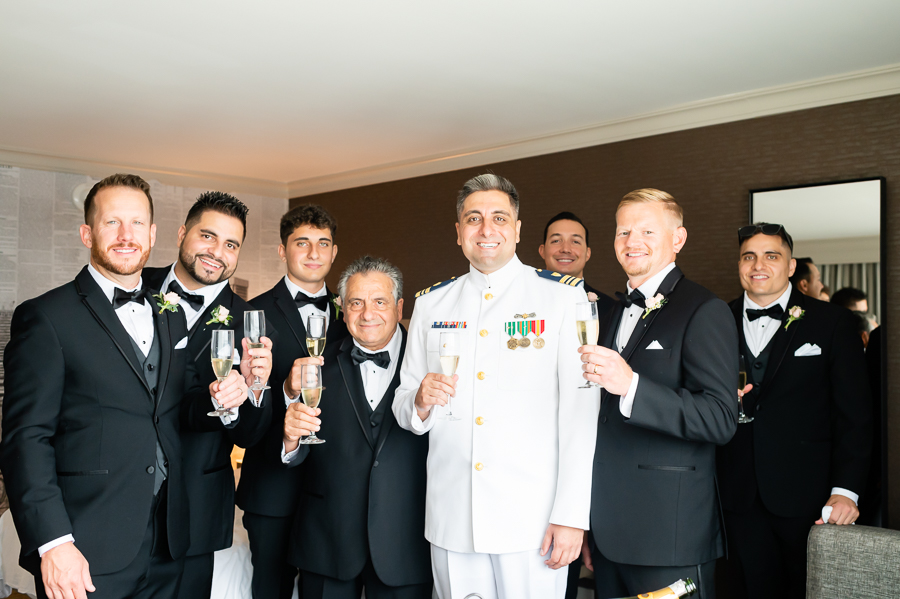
654, 303
592, 297
794, 313
336, 302
219, 316
167, 301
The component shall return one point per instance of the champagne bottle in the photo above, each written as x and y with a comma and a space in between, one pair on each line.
681, 588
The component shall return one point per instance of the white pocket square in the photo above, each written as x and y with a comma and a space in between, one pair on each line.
182, 344
808, 350
655, 345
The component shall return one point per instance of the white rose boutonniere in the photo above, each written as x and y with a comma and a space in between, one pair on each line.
592, 297
167, 301
654, 303
336, 302
220, 316
795, 313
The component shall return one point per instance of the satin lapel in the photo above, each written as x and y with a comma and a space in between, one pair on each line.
201, 346
612, 326
387, 423
166, 347
285, 304
782, 340
643, 325
354, 386
102, 310
335, 324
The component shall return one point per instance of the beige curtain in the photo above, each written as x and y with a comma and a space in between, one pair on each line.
865, 276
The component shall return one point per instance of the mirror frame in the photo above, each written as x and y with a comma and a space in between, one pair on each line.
883, 254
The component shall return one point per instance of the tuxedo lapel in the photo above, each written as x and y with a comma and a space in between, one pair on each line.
332, 330
354, 386
612, 326
102, 311
162, 321
200, 335
288, 308
782, 340
737, 309
387, 424
643, 325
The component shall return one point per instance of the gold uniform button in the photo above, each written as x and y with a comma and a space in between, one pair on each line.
479, 421
479, 466
488, 296
483, 333
480, 376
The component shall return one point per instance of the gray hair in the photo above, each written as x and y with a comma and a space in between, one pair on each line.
367, 264
487, 182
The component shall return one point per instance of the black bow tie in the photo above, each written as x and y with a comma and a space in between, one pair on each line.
381, 359
195, 300
635, 297
321, 302
775, 312
122, 297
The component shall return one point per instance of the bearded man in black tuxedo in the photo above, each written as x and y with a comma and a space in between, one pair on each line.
668, 365
809, 442
209, 244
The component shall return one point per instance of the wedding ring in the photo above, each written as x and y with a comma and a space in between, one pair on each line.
594, 370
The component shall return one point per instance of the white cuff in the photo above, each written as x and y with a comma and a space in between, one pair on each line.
287, 457
419, 425
226, 420
288, 400
846, 493
626, 402
55, 543
252, 397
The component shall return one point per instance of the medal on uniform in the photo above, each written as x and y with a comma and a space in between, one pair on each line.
522, 327
538, 327
510, 330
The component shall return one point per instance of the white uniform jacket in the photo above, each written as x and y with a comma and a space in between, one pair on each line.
521, 456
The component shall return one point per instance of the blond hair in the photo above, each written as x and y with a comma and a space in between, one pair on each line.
656, 196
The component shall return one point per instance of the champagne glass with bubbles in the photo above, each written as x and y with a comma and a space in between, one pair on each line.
449, 362
315, 335
587, 323
311, 391
222, 354
254, 328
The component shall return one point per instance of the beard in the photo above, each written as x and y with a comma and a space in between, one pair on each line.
122, 267
192, 264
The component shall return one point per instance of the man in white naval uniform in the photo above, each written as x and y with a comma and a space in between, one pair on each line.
509, 482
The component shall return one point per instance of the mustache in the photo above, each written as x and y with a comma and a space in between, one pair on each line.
129, 244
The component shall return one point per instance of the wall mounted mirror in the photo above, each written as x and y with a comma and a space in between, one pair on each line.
841, 226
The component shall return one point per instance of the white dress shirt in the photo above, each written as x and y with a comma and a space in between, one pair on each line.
759, 333
630, 318
138, 322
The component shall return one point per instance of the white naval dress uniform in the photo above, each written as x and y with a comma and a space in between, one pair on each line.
521, 456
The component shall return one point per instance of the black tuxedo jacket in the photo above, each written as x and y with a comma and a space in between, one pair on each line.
812, 426
206, 442
267, 487
654, 500
80, 427
361, 496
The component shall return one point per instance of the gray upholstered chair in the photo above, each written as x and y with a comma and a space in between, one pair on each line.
853, 562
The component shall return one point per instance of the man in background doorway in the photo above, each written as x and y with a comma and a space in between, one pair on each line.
851, 298
807, 279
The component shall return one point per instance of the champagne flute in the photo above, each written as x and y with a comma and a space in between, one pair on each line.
449, 362
222, 355
742, 382
315, 335
587, 323
254, 328
311, 391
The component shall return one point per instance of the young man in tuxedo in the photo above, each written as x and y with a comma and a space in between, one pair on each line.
668, 365
360, 521
209, 244
566, 250
268, 492
91, 455
809, 442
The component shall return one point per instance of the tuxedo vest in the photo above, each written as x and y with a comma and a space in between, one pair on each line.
150, 370
376, 416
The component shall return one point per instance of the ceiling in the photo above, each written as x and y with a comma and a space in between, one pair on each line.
297, 97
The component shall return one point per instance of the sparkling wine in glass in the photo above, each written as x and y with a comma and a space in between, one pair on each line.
311, 392
449, 362
254, 328
742, 382
587, 325
315, 335
222, 355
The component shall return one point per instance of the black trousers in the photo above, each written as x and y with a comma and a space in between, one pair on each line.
623, 580
316, 586
196, 582
572, 578
153, 573
771, 551
273, 576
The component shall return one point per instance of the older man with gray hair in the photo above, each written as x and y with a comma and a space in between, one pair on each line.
361, 518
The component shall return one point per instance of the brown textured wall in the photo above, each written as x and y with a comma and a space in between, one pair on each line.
709, 171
